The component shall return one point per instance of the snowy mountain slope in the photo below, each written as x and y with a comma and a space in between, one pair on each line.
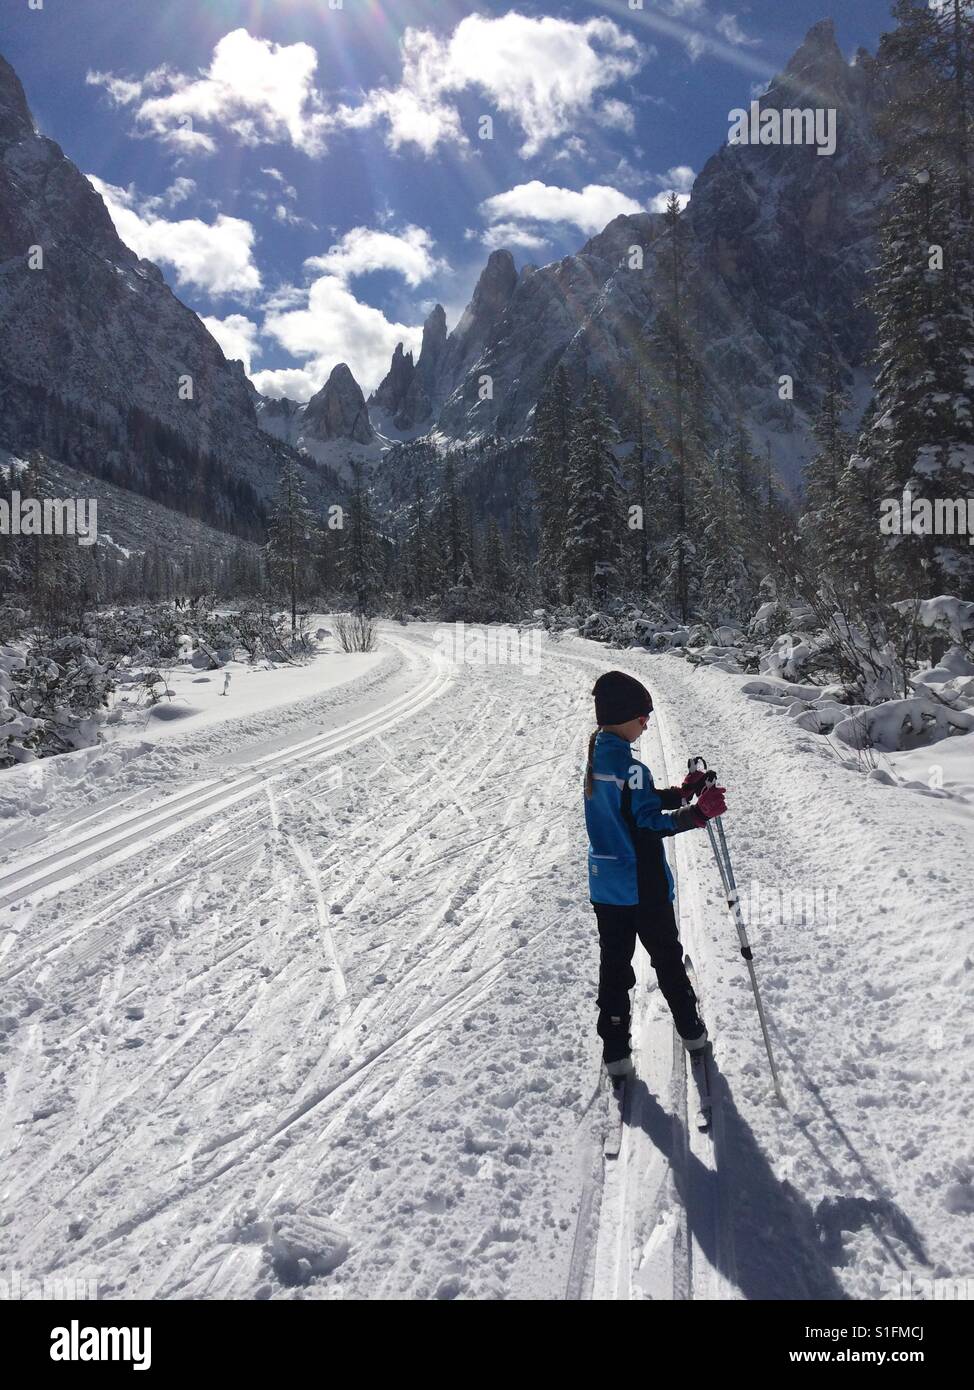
128, 523
354, 1025
95, 349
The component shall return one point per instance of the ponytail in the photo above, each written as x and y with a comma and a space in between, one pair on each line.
589, 764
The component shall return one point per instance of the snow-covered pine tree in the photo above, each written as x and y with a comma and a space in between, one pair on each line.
641, 476
361, 562
922, 434
519, 545
553, 424
416, 579
826, 522
291, 538
726, 586
497, 577
449, 519
595, 520
678, 416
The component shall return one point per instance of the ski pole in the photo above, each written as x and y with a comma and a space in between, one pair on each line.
729, 882
700, 765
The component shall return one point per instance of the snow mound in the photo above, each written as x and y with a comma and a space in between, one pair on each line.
168, 712
305, 1244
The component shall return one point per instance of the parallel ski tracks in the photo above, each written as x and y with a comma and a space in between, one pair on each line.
48, 874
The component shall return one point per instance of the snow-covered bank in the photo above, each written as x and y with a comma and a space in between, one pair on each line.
196, 700
151, 746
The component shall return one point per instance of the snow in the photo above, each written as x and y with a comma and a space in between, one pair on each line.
196, 697
316, 1018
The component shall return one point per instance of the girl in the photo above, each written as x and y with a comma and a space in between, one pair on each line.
630, 883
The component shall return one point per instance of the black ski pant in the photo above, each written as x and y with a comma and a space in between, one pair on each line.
656, 928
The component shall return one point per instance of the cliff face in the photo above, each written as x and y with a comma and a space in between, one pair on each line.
101, 366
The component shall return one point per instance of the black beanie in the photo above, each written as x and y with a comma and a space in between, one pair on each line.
619, 698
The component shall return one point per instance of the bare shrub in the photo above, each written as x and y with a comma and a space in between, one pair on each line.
357, 632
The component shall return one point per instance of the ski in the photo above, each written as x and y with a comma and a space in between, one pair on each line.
618, 1094
699, 1064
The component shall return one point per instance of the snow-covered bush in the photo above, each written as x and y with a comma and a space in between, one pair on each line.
900, 724
52, 698
13, 622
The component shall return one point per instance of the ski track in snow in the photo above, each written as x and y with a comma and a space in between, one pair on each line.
295, 1036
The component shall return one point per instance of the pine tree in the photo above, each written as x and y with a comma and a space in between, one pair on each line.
826, 518
679, 417
496, 571
553, 426
361, 560
595, 515
922, 433
292, 534
726, 585
640, 471
451, 521
518, 545
417, 576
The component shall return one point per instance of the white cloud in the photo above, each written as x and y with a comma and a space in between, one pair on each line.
287, 189
729, 29
615, 113
282, 213
510, 234
177, 192
588, 210
122, 91
298, 383
678, 180
690, 23
237, 336
361, 250
215, 257
573, 151
262, 91
543, 74
333, 327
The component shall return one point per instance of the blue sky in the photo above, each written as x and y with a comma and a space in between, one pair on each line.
310, 174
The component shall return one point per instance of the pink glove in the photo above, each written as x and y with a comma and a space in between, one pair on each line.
692, 785
710, 803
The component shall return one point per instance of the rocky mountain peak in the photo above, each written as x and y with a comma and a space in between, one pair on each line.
434, 334
338, 410
494, 288
15, 118
817, 70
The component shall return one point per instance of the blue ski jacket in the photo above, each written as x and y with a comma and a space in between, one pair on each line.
627, 821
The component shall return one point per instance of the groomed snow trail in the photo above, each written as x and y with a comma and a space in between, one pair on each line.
320, 1021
